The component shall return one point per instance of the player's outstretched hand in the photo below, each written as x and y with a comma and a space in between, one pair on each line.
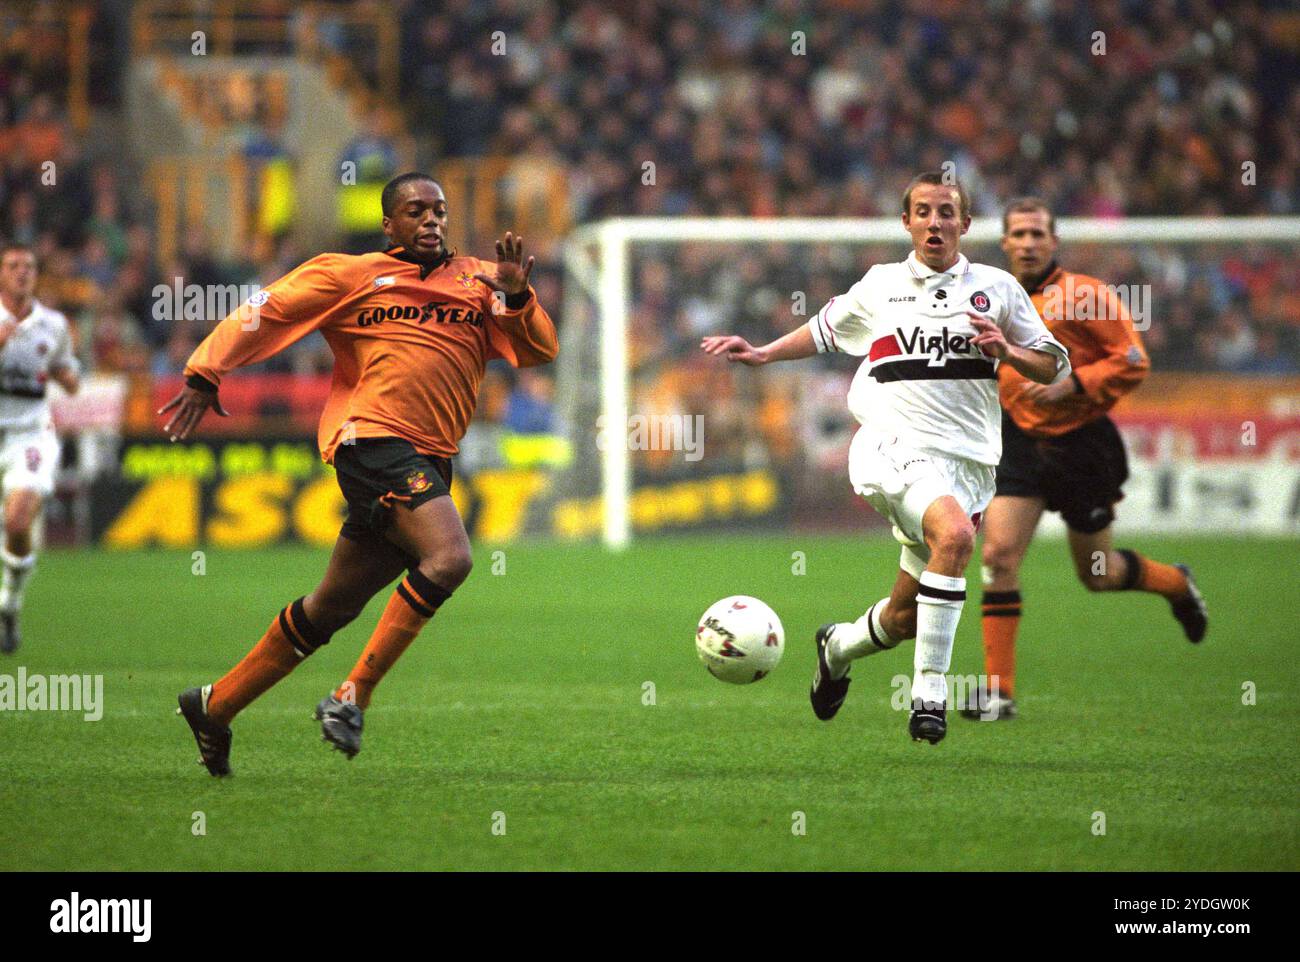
190, 406
733, 348
988, 336
512, 272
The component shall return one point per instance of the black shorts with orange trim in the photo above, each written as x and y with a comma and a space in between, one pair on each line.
378, 474
1080, 473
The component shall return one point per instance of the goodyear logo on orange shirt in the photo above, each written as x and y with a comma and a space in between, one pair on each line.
432, 311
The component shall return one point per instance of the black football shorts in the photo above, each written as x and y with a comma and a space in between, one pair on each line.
1080, 473
378, 474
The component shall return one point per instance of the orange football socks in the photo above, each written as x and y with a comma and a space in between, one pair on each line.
1143, 574
1001, 621
411, 606
289, 639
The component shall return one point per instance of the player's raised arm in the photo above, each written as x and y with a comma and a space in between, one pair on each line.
843, 325
790, 347
528, 329
271, 320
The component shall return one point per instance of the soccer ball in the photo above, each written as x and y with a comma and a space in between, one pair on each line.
740, 640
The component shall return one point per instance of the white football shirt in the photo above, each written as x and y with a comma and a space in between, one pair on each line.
39, 344
923, 381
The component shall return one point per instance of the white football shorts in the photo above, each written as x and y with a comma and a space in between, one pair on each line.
28, 460
901, 483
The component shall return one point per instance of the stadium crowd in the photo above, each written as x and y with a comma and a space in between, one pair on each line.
757, 108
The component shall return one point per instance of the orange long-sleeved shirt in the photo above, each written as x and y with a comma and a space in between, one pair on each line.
409, 351
1105, 351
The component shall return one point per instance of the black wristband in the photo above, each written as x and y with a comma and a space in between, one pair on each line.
516, 301
200, 383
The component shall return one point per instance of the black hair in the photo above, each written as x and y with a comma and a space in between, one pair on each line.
388, 199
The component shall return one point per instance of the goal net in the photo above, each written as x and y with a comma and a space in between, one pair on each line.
665, 438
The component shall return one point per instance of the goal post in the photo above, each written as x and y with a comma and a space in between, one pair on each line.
598, 266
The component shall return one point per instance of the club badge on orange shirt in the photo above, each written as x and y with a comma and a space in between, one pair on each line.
466, 279
416, 482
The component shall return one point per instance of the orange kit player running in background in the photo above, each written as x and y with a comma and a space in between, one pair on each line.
1060, 452
411, 329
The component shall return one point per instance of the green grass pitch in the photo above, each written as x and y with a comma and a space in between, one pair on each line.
526, 697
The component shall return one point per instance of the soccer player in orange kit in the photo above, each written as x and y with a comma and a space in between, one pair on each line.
1061, 452
411, 328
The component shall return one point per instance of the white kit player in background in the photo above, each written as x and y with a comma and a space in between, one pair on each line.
932, 330
35, 347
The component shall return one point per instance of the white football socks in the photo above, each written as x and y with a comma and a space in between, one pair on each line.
16, 572
938, 609
857, 639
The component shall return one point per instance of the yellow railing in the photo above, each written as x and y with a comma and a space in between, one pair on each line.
489, 195
232, 98
182, 190
229, 27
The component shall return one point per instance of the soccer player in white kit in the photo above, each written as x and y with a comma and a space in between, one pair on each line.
35, 348
932, 329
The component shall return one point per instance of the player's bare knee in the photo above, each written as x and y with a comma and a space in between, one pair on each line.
18, 525
448, 568
999, 561
19, 516
955, 545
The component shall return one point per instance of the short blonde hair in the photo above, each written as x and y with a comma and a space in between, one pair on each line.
939, 179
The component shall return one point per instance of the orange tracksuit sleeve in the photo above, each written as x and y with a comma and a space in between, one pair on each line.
1122, 364
1105, 351
524, 336
280, 314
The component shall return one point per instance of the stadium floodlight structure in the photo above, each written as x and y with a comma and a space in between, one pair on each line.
598, 296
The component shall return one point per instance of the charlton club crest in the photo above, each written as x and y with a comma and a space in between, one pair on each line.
980, 301
417, 482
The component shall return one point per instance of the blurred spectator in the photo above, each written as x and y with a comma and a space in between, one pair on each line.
371, 153
530, 409
1268, 357
368, 162
1234, 341
116, 344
